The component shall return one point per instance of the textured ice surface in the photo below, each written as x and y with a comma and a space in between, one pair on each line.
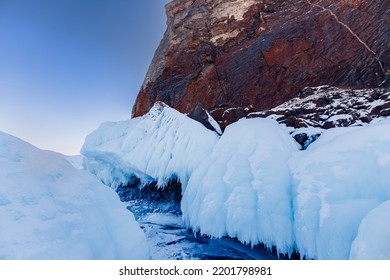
243, 188
159, 146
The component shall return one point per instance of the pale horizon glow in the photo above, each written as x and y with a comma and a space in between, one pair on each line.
68, 66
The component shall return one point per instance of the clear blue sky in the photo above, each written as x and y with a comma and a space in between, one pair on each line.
68, 65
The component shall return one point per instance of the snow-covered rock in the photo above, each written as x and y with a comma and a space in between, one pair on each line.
243, 188
159, 146
325, 107
50, 210
372, 241
335, 185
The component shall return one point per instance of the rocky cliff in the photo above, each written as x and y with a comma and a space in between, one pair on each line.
257, 54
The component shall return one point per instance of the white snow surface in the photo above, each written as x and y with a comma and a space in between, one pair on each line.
243, 188
372, 241
336, 184
161, 145
51, 210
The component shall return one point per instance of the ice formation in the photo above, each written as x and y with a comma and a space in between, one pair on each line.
253, 184
50, 210
243, 189
159, 146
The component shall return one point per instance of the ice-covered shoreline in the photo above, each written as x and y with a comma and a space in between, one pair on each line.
252, 183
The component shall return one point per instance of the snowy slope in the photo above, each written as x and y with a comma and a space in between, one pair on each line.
159, 146
336, 184
50, 210
243, 188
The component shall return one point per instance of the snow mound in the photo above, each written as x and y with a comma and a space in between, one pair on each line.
50, 210
243, 188
336, 184
372, 241
162, 145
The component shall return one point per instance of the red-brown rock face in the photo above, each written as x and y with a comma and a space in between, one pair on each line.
258, 54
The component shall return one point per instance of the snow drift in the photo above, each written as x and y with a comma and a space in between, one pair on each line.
243, 189
159, 146
50, 210
336, 185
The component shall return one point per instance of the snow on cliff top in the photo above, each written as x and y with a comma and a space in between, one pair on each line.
50, 210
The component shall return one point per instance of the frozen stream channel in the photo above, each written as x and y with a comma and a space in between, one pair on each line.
170, 240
